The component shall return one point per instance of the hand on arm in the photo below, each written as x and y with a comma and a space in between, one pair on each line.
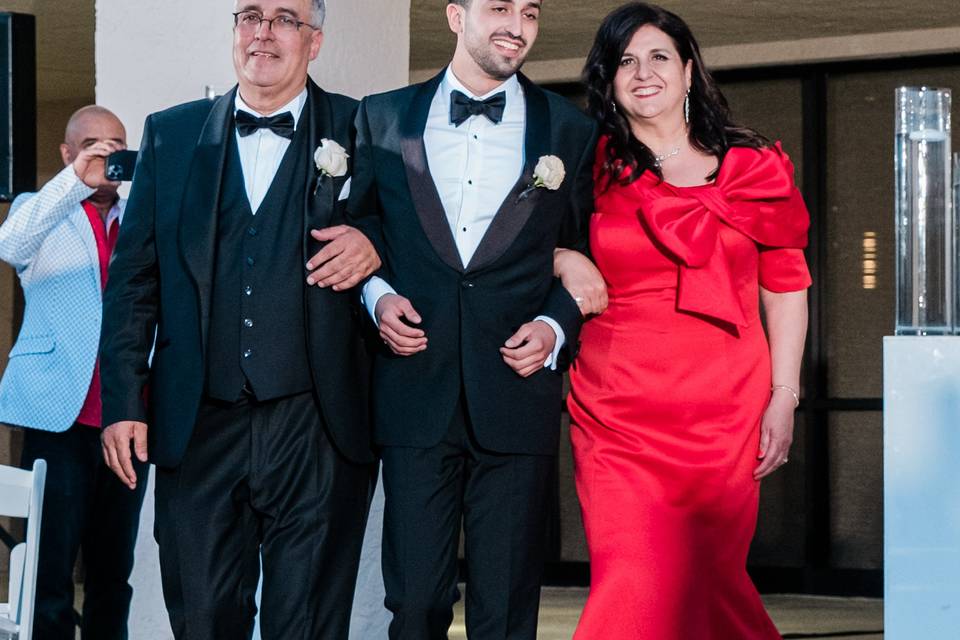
352, 254
786, 315
347, 259
582, 279
396, 316
527, 350
115, 442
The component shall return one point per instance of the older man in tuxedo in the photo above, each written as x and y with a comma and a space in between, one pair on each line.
235, 255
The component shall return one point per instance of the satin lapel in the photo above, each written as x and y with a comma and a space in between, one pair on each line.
81, 223
517, 208
201, 200
320, 193
423, 190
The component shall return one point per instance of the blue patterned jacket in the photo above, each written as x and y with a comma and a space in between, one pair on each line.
47, 238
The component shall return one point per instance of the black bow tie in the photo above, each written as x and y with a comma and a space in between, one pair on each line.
281, 124
462, 107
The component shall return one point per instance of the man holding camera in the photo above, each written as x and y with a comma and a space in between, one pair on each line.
59, 240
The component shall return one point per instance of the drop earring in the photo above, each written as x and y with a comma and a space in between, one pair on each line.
686, 107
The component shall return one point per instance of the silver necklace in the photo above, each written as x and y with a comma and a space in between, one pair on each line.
658, 158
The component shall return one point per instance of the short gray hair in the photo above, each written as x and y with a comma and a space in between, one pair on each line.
319, 13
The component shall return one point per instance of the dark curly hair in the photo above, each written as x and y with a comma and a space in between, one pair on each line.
711, 129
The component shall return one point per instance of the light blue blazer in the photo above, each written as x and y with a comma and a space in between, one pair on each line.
47, 238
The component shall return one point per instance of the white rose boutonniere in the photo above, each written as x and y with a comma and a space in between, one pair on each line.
331, 159
549, 174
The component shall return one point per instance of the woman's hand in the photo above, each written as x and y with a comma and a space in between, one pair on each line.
581, 279
776, 433
787, 330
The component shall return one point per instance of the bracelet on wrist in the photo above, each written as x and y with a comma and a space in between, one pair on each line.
790, 390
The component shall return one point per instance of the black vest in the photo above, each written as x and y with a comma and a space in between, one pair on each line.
257, 314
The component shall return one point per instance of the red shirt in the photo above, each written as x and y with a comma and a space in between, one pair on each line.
91, 414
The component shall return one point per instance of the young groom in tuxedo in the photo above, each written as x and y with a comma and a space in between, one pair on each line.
257, 394
455, 184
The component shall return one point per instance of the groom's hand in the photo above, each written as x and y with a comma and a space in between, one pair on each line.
395, 316
115, 441
528, 349
346, 260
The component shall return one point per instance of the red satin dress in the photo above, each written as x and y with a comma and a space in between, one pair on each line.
667, 395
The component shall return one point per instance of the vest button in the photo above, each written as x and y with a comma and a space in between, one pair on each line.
466, 284
252, 231
248, 290
248, 323
247, 353
251, 262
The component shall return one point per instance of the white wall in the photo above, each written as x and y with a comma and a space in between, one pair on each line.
143, 68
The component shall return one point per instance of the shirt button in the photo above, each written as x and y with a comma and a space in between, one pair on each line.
248, 290
464, 229
252, 231
248, 323
251, 262
475, 137
247, 353
469, 181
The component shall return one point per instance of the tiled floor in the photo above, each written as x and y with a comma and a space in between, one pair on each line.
796, 616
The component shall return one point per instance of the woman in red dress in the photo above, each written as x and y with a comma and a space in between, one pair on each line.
680, 404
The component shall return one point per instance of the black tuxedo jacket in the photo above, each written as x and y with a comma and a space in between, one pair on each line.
469, 311
162, 275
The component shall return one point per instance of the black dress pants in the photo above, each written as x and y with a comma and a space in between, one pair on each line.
85, 506
261, 478
502, 502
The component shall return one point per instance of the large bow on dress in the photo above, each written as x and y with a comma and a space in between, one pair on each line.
755, 194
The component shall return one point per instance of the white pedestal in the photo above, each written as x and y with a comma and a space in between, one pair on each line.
921, 460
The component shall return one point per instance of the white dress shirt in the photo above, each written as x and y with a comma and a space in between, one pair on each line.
262, 152
474, 167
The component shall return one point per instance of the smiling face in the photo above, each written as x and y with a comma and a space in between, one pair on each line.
272, 61
652, 80
494, 36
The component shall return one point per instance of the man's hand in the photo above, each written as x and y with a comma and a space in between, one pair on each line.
581, 279
527, 349
90, 164
115, 441
395, 314
346, 260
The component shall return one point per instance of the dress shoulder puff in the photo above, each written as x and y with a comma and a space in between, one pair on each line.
770, 163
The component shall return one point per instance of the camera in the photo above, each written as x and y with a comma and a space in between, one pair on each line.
120, 166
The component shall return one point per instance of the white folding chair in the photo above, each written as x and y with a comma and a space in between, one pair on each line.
21, 496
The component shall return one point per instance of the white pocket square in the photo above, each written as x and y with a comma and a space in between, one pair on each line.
345, 191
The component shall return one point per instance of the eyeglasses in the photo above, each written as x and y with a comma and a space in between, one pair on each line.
248, 23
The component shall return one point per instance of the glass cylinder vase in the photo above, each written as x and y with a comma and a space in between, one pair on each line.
924, 217
956, 243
